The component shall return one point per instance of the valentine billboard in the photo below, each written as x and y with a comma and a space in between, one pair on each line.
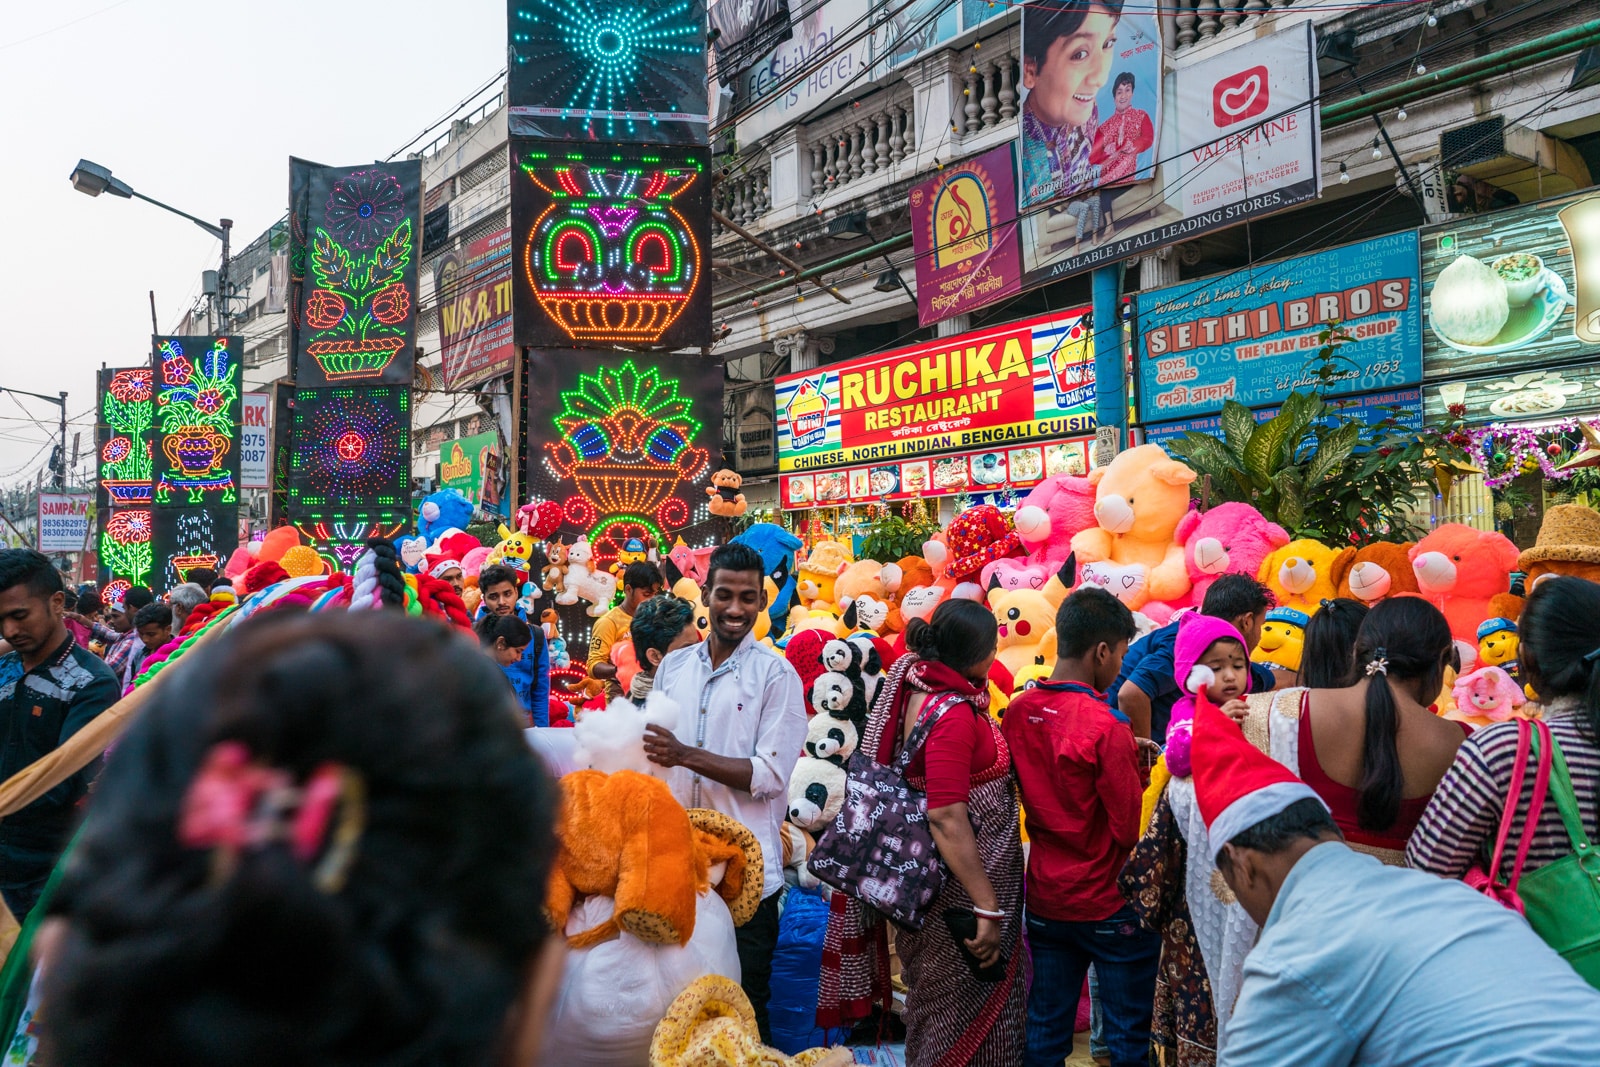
1252, 335
1021, 381
1240, 138
964, 231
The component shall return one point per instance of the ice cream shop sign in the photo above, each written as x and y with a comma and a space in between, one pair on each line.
1018, 382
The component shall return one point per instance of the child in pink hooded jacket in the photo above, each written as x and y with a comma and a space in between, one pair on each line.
1211, 654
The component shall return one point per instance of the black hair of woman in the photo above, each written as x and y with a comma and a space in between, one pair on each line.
962, 635
428, 946
1404, 641
1328, 657
513, 630
1560, 644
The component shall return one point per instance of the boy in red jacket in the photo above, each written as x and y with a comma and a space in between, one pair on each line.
1078, 766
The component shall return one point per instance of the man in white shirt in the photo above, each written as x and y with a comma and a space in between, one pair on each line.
741, 729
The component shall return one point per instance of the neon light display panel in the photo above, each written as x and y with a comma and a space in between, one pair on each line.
123, 437
608, 70
351, 448
340, 535
626, 444
357, 304
126, 553
188, 538
609, 246
196, 455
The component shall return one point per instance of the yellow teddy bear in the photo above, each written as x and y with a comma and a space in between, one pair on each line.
1304, 573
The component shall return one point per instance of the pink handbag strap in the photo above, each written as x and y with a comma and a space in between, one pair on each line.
1541, 787
1513, 795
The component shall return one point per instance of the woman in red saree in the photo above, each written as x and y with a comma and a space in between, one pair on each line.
952, 1018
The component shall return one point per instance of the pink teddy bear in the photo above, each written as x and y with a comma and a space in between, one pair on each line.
1487, 693
1052, 513
1228, 539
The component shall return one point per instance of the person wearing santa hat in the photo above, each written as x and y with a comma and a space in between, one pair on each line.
443, 561
1363, 963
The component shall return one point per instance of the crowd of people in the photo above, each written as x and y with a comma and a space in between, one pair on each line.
1244, 866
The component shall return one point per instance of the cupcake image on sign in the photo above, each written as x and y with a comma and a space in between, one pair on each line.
989, 468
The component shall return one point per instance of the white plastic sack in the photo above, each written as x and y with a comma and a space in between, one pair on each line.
557, 746
613, 995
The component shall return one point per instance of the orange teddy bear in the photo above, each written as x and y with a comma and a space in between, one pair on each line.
1379, 570
624, 836
1461, 571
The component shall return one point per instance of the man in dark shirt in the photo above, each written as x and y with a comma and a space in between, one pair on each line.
1146, 690
50, 688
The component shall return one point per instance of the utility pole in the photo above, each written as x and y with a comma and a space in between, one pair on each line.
60, 464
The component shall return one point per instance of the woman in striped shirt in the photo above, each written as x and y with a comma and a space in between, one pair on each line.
1560, 656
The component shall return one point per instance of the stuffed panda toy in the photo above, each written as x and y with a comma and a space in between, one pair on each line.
831, 738
816, 793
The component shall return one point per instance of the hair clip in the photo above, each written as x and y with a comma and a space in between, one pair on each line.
1379, 664
1327, 603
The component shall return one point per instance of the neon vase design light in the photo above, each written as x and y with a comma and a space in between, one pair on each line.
626, 442
611, 259
358, 303
197, 405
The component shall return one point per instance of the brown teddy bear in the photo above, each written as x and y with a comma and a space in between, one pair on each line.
1568, 543
624, 836
1377, 571
726, 500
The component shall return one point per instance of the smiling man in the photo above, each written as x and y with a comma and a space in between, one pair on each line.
741, 725
50, 688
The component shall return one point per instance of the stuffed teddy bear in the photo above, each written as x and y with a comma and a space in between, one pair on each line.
711, 1024
411, 550
1304, 573
1047, 519
1283, 638
623, 836
830, 737
864, 577
1485, 696
554, 577
816, 793
1498, 645
1460, 571
1140, 497
726, 500
1125, 581
899, 578
583, 581
445, 510
867, 614
1568, 544
1379, 570
821, 568
1025, 621
1227, 539
777, 547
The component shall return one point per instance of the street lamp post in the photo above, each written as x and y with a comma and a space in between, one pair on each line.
92, 179
61, 442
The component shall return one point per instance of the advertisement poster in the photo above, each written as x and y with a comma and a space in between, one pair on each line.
744, 30
474, 465
826, 51
1001, 468
357, 307
626, 444
1251, 335
1239, 139
1508, 291
473, 291
64, 521
611, 245
1091, 105
964, 232
1404, 406
622, 71
1021, 381
255, 442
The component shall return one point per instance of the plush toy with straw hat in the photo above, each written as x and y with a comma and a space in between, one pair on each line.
1568, 544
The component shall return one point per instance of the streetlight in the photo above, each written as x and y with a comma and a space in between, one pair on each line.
92, 179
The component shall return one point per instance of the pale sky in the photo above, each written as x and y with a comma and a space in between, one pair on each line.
199, 104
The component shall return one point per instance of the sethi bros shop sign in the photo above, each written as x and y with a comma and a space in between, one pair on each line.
997, 405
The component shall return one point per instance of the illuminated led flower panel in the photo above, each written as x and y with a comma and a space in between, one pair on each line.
609, 70
357, 307
610, 244
197, 411
125, 549
351, 447
127, 413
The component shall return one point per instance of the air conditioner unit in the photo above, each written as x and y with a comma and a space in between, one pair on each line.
1530, 164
